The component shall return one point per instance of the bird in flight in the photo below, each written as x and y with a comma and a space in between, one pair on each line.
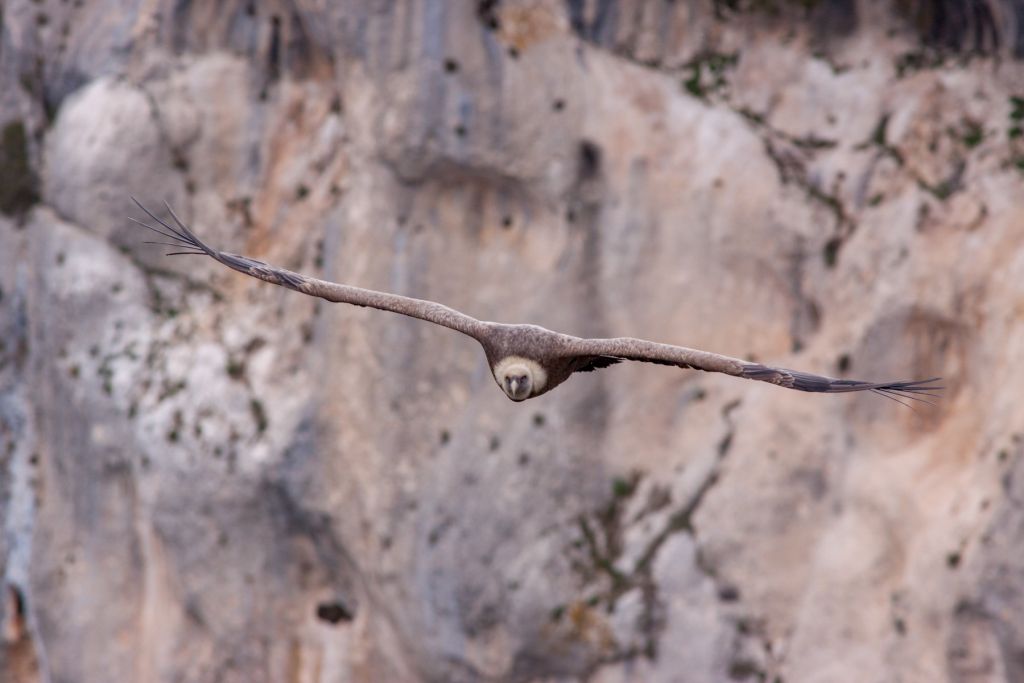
527, 360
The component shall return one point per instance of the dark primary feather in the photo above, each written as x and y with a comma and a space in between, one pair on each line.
181, 237
185, 239
805, 381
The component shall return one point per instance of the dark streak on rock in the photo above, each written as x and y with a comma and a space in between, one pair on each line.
19, 184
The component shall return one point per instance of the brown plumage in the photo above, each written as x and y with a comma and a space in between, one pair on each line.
527, 360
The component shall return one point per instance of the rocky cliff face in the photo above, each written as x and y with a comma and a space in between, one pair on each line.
207, 478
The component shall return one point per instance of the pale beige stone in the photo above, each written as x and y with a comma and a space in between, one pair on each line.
206, 478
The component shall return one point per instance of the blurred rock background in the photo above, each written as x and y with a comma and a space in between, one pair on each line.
207, 478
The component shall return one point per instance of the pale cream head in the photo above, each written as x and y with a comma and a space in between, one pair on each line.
519, 378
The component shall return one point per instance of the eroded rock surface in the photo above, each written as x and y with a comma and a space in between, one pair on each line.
206, 478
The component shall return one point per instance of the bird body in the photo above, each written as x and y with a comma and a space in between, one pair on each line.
527, 360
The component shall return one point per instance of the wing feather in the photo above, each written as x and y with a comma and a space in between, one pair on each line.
626, 348
183, 238
595, 363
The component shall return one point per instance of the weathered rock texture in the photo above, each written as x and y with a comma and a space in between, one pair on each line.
206, 478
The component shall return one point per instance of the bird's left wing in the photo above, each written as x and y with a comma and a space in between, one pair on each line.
627, 348
185, 242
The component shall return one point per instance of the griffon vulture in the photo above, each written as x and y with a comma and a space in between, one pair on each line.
527, 360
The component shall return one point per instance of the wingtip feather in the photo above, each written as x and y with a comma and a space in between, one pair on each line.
913, 390
181, 234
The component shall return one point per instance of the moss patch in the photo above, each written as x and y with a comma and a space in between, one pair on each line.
708, 73
1016, 118
19, 185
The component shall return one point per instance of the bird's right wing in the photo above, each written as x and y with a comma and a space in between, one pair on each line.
186, 242
627, 348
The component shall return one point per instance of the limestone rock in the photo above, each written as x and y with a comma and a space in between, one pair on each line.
206, 478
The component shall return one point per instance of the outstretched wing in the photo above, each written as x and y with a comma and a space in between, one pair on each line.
185, 242
626, 348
